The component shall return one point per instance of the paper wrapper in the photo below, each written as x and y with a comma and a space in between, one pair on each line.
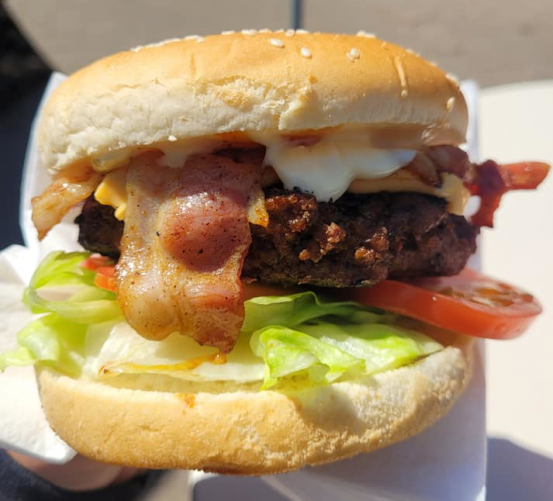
445, 463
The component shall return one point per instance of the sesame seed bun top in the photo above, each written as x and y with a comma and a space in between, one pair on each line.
281, 82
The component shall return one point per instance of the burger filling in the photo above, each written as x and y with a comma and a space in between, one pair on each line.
286, 340
189, 238
278, 213
406, 224
198, 240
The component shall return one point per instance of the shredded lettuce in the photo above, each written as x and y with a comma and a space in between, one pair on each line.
52, 340
58, 336
87, 304
328, 351
298, 337
287, 351
296, 309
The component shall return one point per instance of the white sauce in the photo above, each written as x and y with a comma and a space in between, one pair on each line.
327, 168
176, 155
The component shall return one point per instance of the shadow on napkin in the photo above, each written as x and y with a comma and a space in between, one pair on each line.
517, 474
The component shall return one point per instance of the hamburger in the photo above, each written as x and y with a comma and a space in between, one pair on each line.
273, 272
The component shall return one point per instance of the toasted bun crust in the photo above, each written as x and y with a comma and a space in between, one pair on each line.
245, 82
246, 432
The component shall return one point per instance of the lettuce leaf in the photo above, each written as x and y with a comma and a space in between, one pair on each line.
58, 336
49, 339
287, 351
85, 304
324, 351
301, 337
304, 336
296, 309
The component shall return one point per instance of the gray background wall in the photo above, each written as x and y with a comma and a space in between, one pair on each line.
494, 41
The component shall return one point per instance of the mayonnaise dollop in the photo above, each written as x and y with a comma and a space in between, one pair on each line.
327, 167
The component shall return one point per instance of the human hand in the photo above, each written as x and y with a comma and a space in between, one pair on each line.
79, 474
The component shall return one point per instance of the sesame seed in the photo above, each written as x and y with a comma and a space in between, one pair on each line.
228, 32
450, 103
276, 42
452, 78
249, 32
305, 52
172, 138
290, 33
302, 32
156, 44
265, 30
200, 39
191, 37
353, 54
402, 76
365, 34
411, 51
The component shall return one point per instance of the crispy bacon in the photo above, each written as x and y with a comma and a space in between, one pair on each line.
491, 181
185, 239
66, 191
429, 163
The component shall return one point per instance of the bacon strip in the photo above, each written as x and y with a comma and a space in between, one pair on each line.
491, 181
60, 197
430, 162
185, 239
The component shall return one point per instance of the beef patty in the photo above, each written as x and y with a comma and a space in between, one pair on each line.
99, 230
357, 240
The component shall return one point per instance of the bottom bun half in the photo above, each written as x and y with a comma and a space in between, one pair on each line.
241, 431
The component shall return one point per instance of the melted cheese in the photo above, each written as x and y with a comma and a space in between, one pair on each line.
452, 189
112, 191
334, 163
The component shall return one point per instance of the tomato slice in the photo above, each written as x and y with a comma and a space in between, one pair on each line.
105, 278
96, 261
469, 303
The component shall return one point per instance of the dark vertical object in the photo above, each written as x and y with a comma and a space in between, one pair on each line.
23, 76
297, 14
